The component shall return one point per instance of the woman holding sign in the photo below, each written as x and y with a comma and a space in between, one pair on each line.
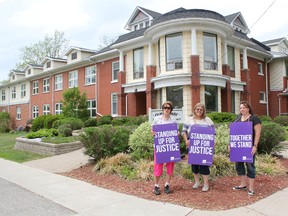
248, 116
199, 118
165, 118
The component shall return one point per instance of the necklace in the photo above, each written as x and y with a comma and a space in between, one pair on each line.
245, 118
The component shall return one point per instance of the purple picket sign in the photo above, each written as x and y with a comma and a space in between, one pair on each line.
166, 143
241, 138
201, 147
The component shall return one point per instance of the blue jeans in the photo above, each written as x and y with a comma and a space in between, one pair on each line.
251, 169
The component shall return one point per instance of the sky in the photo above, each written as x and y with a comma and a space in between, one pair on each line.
86, 22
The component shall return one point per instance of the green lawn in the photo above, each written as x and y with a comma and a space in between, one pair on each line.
7, 142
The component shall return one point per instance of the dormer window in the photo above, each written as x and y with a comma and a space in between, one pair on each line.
48, 65
74, 56
29, 71
13, 77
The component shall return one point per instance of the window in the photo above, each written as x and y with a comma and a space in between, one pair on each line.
74, 56
174, 52
46, 85
59, 82
46, 109
3, 95
138, 63
35, 112
233, 102
58, 108
175, 95
114, 104
90, 75
115, 70
286, 67
23, 90
210, 51
211, 98
18, 113
13, 77
91, 106
231, 57
35, 89
263, 97
3, 110
260, 69
29, 71
48, 64
73, 79
13, 92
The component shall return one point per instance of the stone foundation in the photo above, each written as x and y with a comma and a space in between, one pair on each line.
36, 146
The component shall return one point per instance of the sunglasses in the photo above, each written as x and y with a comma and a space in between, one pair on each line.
167, 108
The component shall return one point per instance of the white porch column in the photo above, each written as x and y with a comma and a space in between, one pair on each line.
245, 60
225, 59
150, 54
193, 42
121, 61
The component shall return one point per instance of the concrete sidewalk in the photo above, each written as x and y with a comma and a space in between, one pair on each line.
88, 200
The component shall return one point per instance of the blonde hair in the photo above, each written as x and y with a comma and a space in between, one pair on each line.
201, 106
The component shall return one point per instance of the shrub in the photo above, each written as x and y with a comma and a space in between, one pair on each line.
50, 119
75, 123
222, 140
141, 142
106, 119
65, 130
269, 165
4, 122
282, 120
221, 166
106, 140
91, 122
38, 123
222, 117
271, 136
265, 118
42, 133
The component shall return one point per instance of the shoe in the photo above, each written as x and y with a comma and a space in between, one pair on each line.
157, 190
196, 185
239, 188
251, 192
167, 189
205, 188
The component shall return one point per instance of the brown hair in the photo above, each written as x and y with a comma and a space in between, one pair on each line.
201, 106
247, 105
169, 103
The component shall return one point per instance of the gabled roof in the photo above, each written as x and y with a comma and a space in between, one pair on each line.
32, 66
260, 46
238, 22
150, 16
274, 41
53, 59
80, 49
130, 35
16, 72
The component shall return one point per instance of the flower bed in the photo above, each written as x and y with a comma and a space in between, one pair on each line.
36, 146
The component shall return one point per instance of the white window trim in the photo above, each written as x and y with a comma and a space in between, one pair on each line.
58, 84
90, 76
265, 97
57, 110
46, 85
73, 81
115, 79
35, 89
23, 90
45, 110
116, 111
35, 111
18, 113
261, 69
13, 92
90, 108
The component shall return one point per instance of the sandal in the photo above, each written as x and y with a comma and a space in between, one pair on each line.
240, 188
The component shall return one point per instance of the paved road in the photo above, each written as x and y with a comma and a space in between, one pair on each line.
17, 201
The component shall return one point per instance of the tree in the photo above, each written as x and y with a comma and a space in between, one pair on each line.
75, 104
53, 46
106, 41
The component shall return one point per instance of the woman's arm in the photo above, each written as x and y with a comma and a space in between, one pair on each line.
257, 134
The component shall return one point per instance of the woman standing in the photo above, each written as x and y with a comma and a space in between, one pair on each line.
165, 118
199, 118
248, 116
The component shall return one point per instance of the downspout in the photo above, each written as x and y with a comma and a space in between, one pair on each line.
266, 72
